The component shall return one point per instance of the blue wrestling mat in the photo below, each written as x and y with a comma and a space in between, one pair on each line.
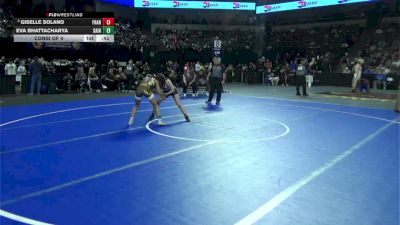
251, 160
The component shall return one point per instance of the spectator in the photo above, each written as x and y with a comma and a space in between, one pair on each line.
274, 75
68, 82
313, 66
10, 68
86, 66
269, 65
172, 75
146, 68
199, 40
189, 80
94, 81
175, 67
120, 79
111, 65
252, 66
36, 70
346, 70
293, 67
109, 80
2, 65
230, 73
81, 79
202, 79
129, 73
21, 71
197, 67
139, 67
285, 71
357, 74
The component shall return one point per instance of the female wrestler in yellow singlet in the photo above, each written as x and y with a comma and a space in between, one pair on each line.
145, 89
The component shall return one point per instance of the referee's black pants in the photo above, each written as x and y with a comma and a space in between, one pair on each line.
301, 81
215, 85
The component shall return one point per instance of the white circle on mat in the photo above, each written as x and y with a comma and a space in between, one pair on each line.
286, 132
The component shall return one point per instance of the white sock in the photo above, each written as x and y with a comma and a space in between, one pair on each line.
131, 120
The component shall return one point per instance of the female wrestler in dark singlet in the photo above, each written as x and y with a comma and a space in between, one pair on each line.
168, 89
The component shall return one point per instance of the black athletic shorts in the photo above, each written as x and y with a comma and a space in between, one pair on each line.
176, 92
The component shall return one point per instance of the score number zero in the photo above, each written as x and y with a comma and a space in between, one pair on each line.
103, 30
107, 26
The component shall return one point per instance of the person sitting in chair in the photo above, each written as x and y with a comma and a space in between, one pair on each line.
81, 79
362, 84
68, 82
189, 80
94, 81
380, 79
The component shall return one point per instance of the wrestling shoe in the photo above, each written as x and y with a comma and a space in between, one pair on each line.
151, 117
186, 117
160, 122
131, 121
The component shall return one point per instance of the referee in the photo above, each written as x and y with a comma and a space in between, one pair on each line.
301, 72
216, 77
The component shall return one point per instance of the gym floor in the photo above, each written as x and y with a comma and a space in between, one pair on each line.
264, 156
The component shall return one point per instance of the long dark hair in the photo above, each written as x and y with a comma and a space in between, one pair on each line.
161, 79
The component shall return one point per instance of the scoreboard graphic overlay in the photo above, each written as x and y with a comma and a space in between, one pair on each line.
66, 27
